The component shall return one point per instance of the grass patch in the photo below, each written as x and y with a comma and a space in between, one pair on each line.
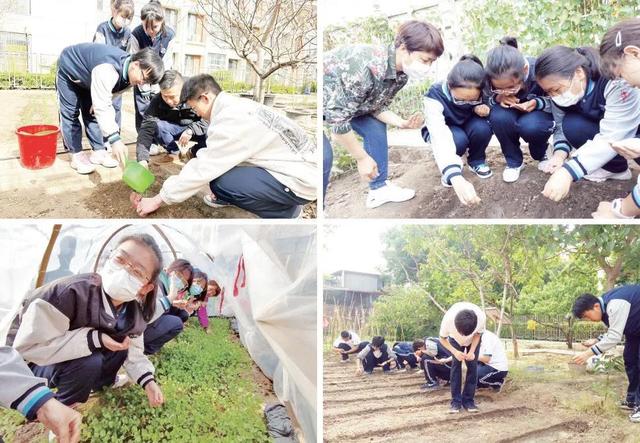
209, 395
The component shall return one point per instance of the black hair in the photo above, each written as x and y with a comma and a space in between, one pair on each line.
584, 303
199, 274
150, 61
153, 11
509, 41
505, 60
197, 85
377, 341
169, 79
181, 265
417, 35
418, 344
126, 8
563, 61
345, 334
466, 321
467, 73
623, 34
214, 283
146, 240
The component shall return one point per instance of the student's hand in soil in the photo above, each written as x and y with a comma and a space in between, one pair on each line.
527, 106
465, 191
154, 394
114, 345
558, 185
482, 110
148, 205
185, 138
119, 151
413, 122
62, 420
368, 168
629, 148
556, 161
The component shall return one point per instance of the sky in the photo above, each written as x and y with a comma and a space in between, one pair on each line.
332, 11
354, 246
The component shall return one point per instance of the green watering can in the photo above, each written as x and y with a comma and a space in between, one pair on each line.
137, 177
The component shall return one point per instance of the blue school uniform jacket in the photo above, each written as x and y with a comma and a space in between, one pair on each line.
530, 90
630, 294
119, 39
159, 45
78, 61
454, 115
403, 348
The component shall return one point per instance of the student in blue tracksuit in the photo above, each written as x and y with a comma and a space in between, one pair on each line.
435, 361
376, 354
88, 76
404, 354
116, 32
456, 122
152, 33
590, 112
619, 310
518, 106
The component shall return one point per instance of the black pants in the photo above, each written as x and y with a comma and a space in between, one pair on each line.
631, 356
161, 331
407, 359
76, 378
347, 348
370, 362
465, 397
490, 377
434, 371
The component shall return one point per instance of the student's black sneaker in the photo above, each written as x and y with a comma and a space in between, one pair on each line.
430, 386
472, 408
454, 409
482, 170
627, 405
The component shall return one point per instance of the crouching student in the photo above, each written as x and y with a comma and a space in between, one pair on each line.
173, 283
518, 107
376, 354
460, 333
456, 122
435, 361
255, 158
169, 123
405, 355
591, 113
198, 294
348, 343
31, 397
619, 310
78, 331
89, 74
493, 366
213, 290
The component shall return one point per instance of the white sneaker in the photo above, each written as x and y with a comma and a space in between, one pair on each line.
388, 193
600, 175
121, 381
511, 175
102, 157
80, 162
154, 149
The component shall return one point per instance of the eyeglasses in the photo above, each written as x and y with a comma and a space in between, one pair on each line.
121, 260
511, 91
465, 102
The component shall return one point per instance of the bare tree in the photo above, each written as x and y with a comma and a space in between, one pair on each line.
268, 34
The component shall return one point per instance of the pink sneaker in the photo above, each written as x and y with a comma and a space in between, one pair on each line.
80, 162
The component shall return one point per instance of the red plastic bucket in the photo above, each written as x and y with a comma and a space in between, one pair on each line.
38, 145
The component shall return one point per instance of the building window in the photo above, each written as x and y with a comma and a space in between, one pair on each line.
171, 18
192, 65
216, 62
195, 28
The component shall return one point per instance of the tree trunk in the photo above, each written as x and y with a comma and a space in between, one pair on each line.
514, 341
504, 300
569, 333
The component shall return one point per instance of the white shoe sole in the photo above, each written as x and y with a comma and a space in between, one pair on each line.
82, 171
626, 175
377, 203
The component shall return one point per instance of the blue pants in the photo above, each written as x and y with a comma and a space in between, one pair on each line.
257, 191
168, 133
141, 104
474, 135
409, 359
490, 377
464, 398
346, 347
164, 329
509, 125
433, 371
374, 136
74, 100
117, 105
578, 129
631, 356
76, 378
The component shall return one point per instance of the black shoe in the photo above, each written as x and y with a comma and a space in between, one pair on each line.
627, 405
430, 386
454, 409
472, 408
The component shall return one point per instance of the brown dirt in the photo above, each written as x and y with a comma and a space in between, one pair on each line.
390, 408
415, 168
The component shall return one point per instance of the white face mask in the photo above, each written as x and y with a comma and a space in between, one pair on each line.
121, 22
118, 283
568, 98
416, 70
